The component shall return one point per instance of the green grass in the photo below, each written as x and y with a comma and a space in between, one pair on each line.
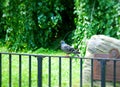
25, 69
54, 70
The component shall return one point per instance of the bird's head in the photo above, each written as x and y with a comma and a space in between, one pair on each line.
62, 42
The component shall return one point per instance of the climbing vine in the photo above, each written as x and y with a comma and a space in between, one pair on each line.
96, 17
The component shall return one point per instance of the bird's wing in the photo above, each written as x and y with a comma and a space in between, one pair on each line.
67, 48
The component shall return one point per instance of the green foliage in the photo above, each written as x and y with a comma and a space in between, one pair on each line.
96, 17
31, 24
49, 20
2, 32
15, 20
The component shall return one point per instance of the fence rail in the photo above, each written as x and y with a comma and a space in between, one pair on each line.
8, 59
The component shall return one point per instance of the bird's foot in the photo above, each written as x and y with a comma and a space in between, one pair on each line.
67, 55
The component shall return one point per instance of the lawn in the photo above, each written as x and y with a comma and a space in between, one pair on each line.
54, 69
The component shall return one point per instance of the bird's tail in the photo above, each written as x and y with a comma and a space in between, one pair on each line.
76, 52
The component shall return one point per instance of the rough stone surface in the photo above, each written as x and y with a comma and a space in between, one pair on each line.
98, 44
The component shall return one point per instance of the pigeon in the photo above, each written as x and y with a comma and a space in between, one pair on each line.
68, 49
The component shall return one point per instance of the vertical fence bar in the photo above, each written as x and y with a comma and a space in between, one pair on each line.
59, 71
39, 58
70, 74
20, 70
49, 72
114, 73
91, 72
30, 71
10, 70
0, 70
103, 72
81, 72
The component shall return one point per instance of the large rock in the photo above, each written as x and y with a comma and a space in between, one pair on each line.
98, 44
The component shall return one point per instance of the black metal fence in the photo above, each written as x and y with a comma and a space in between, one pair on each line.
29, 66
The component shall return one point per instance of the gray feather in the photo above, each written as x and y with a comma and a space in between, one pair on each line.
67, 48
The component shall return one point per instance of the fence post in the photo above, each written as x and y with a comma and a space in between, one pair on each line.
39, 59
0, 70
103, 72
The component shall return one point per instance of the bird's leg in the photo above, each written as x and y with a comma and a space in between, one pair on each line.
67, 55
